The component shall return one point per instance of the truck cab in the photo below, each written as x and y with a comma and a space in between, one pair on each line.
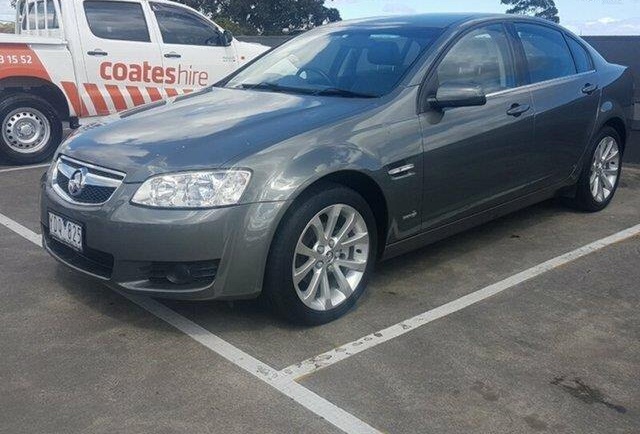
75, 60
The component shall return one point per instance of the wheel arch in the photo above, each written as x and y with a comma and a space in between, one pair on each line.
619, 125
357, 181
38, 87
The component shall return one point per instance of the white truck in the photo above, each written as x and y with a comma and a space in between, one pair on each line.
75, 59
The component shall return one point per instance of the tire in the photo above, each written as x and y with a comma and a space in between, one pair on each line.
39, 123
591, 199
327, 257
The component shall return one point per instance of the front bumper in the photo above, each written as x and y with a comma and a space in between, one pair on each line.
129, 246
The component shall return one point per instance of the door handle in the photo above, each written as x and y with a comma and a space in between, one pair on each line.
589, 88
172, 55
518, 109
97, 52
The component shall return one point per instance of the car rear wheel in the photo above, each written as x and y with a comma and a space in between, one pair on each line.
31, 129
322, 256
601, 175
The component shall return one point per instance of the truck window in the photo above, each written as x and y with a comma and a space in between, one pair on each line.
180, 26
29, 19
117, 20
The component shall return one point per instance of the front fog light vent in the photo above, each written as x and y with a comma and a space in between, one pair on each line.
184, 273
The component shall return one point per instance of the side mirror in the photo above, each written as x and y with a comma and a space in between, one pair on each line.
457, 95
227, 38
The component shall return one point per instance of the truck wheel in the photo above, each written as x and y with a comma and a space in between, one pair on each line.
31, 129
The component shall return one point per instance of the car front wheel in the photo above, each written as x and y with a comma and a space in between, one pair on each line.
322, 256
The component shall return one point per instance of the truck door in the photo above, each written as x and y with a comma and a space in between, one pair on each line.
122, 58
193, 48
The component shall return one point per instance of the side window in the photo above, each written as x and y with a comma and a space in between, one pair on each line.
180, 26
482, 57
580, 55
30, 18
117, 20
547, 52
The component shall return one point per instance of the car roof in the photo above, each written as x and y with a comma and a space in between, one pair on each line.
435, 20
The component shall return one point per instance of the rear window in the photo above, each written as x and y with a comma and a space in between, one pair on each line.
580, 55
38, 8
117, 20
547, 52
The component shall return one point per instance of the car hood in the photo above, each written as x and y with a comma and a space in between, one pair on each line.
203, 130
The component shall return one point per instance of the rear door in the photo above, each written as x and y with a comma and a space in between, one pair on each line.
477, 157
194, 51
565, 93
123, 66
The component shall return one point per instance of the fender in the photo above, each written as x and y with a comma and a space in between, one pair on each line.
20, 66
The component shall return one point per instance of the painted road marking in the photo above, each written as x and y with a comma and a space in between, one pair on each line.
15, 169
284, 384
20, 230
345, 351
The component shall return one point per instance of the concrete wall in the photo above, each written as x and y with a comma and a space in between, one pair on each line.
623, 50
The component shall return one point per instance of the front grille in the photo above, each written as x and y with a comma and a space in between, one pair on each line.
91, 261
91, 194
98, 184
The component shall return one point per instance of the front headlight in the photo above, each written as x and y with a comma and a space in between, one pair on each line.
193, 189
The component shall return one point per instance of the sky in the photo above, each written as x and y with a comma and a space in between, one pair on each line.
586, 17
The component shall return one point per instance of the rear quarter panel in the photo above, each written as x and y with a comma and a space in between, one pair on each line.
617, 95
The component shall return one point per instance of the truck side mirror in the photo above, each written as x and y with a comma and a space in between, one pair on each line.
227, 38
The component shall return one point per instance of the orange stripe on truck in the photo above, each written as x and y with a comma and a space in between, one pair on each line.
116, 96
171, 92
154, 94
97, 99
136, 96
73, 96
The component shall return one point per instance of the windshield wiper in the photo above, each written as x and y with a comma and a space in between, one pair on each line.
274, 87
329, 91
343, 92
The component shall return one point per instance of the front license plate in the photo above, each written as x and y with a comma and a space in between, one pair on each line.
65, 231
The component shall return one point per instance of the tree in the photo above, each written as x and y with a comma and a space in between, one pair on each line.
7, 27
538, 8
266, 17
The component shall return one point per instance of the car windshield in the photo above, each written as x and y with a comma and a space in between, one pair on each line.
355, 62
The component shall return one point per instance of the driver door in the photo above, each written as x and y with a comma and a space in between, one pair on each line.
193, 49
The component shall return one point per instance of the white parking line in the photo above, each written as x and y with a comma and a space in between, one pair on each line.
345, 351
15, 169
20, 230
286, 385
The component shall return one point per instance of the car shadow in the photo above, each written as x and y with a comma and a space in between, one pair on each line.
250, 315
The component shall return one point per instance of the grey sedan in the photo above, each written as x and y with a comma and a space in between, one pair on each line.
352, 143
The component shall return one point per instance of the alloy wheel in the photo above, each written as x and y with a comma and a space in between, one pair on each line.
331, 257
605, 169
